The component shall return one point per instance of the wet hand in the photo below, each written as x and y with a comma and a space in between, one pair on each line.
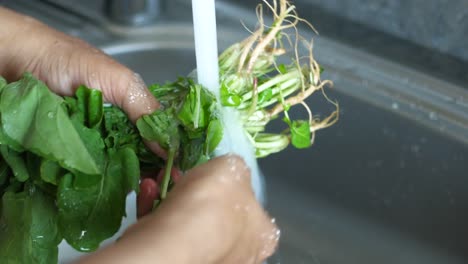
64, 62
210, 217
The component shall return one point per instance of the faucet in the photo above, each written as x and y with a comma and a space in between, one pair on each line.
133, 12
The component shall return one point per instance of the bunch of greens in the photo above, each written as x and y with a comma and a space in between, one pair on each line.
68, 163
67, 166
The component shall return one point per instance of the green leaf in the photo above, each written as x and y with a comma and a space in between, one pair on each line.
82, 95
94, 145
130, 167
300, 134
29, 232
228, 98
195, 112
89, 106
32, 116
7, 141
16, 162
321, 69
160, 126
214, 134
4, 172
95, 108
265, 96
191, 153
51, 171
282, 69
120, 132
3, 83
87, 216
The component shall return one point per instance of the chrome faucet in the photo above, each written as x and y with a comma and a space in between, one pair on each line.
133, 12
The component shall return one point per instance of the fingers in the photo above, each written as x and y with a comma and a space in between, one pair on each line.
255, 234
78, 63
210, 217
64, 62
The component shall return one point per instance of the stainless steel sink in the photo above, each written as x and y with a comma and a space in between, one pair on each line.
387, 184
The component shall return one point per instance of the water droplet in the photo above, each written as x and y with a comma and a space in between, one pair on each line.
51, 114
395, 106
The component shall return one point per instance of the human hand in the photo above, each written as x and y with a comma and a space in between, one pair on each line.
210, 217
64, 62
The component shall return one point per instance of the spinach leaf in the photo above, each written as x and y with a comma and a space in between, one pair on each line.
229, 98
3, 83
4, 172
300, 134
130, 167
160, 126
118, 130
192, 153
51, 171
89, 106
15, 161
214, 134
28, 232
195, 112
87, 216
32, 115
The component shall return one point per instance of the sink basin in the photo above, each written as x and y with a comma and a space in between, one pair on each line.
386, 184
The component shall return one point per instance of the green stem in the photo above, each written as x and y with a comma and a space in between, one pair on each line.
167, 173
271, 83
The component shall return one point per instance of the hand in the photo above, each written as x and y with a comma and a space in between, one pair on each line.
64, 62
210, 217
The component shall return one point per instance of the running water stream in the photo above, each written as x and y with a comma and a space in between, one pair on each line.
206, 51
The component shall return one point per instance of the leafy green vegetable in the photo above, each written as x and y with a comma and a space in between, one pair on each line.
229, 98
68, 165
51, 172
87, 216
196, 110
160, 126
89, 105
300, 134
31, 115
29, 231
3, 83
214, 134
16, 163
192, 154
4, 173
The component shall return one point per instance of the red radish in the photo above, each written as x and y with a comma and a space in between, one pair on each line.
175, 175
149, 191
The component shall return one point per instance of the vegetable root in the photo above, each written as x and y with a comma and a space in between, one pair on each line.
249, 70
